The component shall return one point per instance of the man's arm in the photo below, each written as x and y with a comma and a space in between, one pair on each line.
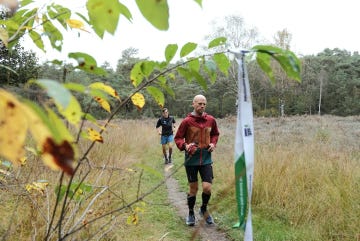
214, 134
180, 136
158, 126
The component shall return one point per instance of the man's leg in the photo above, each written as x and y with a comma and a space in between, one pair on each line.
164, 153
206, 174
206, 194
170, 151
191, 173
191, 200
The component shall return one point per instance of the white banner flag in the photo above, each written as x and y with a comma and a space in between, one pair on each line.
244, 149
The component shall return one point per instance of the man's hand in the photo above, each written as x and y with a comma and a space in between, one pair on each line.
191, 148
211, 147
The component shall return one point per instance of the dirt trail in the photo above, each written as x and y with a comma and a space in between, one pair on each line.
178, 200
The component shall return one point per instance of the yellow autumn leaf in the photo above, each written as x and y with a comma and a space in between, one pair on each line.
23, 161
56, 152
13, 127
106, 88
75, 23
37, 186
94, 135
139, 210
16, 119
73, 112
138, 100
133, 219
104, 104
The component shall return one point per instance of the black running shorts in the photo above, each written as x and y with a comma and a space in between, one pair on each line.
206, 173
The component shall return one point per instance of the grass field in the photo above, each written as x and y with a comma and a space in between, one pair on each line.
306, 185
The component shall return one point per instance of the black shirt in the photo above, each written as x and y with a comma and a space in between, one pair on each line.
166, 124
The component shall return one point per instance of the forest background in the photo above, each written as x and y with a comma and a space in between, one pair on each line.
330, 80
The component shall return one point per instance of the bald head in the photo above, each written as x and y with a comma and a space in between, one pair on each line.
199, 97
199, 104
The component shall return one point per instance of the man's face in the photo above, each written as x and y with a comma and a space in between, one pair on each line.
199, 105
166, 113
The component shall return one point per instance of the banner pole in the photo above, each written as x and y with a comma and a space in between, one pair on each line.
244, 149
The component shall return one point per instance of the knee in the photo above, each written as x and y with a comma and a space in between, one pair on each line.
207, 188
193, 190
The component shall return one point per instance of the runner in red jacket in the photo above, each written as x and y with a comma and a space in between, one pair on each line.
197, 135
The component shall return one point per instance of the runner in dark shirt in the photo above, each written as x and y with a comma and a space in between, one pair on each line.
165, 127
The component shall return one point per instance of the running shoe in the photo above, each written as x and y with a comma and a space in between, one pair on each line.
208, 218
190, 220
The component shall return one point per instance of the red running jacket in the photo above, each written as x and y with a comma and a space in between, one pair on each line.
201, 130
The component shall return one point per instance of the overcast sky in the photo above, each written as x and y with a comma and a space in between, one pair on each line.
314, 25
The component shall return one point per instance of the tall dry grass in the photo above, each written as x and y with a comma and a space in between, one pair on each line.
306, 185
307, 175
115, 172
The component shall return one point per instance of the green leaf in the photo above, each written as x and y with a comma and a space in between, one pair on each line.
156, 12
147, 67
170, 52
66, 103
59, 129
125, 11
222, 62
287, 60
210, 69
55, 90
136, 74
199, 2
60, 13
77, 191
73, 111
185, 73
89, 117
141, 70
194, 64
217, 42
200, 79
187, 49
264, 62
83, 18
98, 93
75, 87
54, 35
36, 38
87, 63
48, 125
26, 2
163, 85
104, 15
157, 95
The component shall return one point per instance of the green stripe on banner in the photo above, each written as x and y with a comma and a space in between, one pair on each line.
241, 190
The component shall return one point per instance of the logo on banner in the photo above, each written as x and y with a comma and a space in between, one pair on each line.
247, 130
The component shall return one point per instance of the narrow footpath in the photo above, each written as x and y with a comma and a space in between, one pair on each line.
178, 200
